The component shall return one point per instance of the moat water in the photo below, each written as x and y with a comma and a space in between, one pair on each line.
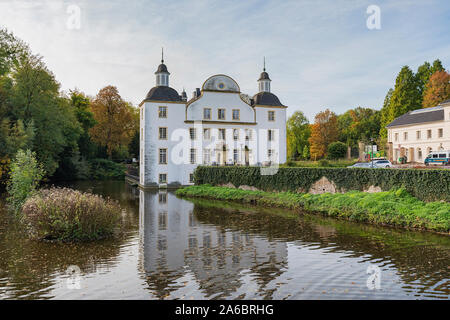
195, 249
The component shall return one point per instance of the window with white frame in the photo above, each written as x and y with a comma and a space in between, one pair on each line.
193, 157
191, 178
418, 134
440, 133
163, 156
162, 133
163, 178
270, 135
270, 154
429, 134
271, 115
396, 137
162, 113
405, 136
192, 133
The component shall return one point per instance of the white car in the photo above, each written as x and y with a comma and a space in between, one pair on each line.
382, 163
364, 165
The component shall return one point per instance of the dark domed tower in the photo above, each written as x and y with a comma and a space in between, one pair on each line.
264, 96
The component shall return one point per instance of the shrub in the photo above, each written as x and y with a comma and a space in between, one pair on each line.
337, 150
103, 169
26, 174
70, 215
427, 184
323, 163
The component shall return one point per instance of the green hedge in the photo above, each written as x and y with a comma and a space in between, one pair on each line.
427, 185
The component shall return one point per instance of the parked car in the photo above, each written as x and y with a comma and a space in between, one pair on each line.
364, 165
382, 163
438, 157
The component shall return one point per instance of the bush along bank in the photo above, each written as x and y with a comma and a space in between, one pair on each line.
426, 185
395, 207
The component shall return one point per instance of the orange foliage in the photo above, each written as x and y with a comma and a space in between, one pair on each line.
323, 132
115, 125
437, 89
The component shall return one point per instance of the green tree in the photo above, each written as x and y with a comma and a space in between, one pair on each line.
336, 150
305, 153
11, 49
82, 107
35, 98
385, 115
26, 174
297, 134
15, 136
424, 72
437, 66
358, 124
405, 97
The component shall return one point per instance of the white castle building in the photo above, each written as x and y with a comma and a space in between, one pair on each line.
218, 126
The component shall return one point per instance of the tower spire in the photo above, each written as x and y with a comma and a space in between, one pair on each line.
162, 54
264, 80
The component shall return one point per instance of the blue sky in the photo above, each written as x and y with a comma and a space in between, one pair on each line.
320, 54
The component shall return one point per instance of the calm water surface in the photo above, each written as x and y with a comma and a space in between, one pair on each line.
183, 249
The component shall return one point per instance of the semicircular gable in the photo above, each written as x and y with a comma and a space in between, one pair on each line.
221, 82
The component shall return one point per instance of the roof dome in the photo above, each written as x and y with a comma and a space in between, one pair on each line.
162, 68
163, 93
221, 82
266, 99
264, 76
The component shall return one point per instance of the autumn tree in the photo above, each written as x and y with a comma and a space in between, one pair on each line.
437, 89
297, 134
323, 132
115, 126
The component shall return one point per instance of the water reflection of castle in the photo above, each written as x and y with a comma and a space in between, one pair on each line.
174, 242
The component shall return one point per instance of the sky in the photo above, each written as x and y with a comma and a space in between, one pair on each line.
319, 54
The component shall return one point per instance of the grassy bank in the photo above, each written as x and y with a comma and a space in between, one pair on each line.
396, 207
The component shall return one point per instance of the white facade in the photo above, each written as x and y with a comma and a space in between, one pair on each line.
421, 132
218, 126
